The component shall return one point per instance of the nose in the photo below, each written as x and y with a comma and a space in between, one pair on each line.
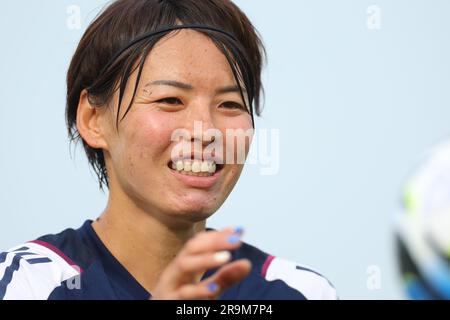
200, 123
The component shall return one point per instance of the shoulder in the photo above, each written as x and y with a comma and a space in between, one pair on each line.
34, 269
305, 280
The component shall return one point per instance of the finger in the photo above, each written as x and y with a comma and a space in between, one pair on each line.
202, 290
229, 275
188, 268
227, 239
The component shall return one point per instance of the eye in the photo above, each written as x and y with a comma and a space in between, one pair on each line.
232, 105
170, 101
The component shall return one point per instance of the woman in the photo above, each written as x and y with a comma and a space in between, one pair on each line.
151, 87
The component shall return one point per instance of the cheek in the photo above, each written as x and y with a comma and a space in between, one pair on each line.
144, 139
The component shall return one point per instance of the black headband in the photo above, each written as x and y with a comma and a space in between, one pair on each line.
165, 30
160, 31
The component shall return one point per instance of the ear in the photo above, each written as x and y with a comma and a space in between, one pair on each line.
89, 123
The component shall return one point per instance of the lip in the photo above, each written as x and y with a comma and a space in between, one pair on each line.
197, 182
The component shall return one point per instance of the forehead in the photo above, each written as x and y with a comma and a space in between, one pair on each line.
188, 55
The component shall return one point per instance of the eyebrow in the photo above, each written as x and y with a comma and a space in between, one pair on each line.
188, 87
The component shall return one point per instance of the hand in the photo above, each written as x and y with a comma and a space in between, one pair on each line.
207, 250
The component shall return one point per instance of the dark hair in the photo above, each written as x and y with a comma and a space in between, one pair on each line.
94, 69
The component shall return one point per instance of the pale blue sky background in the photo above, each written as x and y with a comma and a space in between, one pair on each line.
355, 108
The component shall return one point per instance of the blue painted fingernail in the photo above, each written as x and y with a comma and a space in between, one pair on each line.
212, 287
233, 239
239, 230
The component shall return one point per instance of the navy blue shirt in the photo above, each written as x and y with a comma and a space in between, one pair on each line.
75, 264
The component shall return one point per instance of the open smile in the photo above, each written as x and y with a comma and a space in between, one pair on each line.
196, 173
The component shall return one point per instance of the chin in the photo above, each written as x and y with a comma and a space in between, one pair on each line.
190, 215
195, 209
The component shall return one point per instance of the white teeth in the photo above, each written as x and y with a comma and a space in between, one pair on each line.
180, 165
195, 166
205, 166
187, 166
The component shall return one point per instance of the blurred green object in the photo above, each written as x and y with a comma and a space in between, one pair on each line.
423, 228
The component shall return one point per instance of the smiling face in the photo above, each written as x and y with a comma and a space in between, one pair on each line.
185, 79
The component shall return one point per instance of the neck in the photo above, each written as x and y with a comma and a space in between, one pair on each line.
141, 242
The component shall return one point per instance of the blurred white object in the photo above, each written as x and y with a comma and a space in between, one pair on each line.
423, 228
